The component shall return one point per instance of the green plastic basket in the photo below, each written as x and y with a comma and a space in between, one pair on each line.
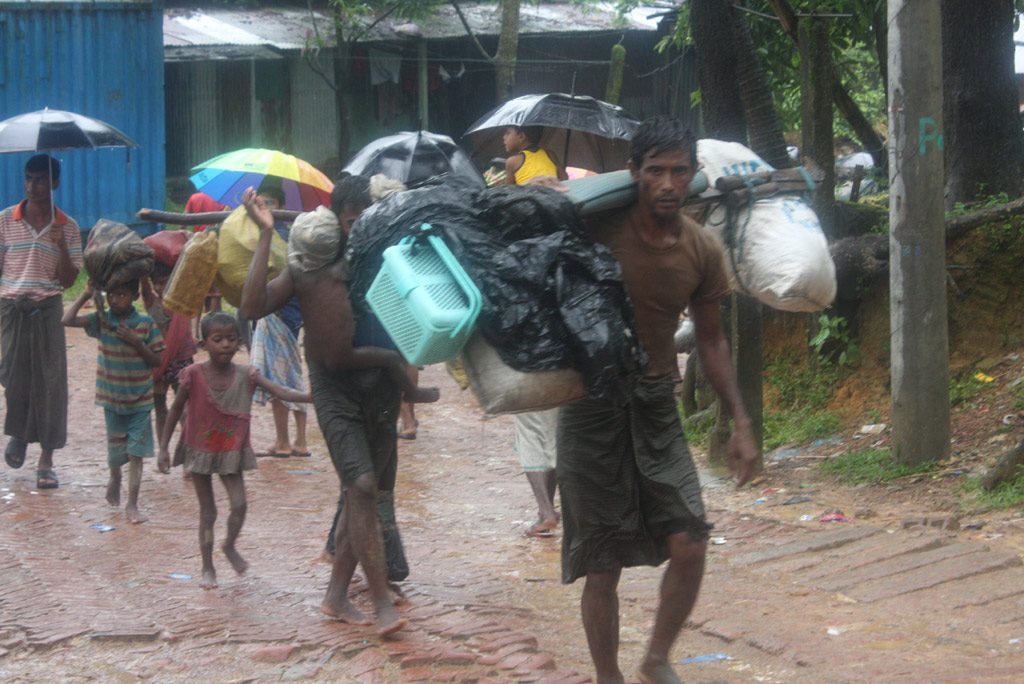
424, 299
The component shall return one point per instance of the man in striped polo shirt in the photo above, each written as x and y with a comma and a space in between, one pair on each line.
40, 254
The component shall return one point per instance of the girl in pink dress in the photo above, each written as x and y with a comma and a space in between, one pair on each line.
218, 395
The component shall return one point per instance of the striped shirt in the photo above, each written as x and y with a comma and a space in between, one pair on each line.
28, 259
124, 381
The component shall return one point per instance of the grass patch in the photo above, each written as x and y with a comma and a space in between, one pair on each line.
871, 465
71, 294
798, 426
799, 395
965, 388
698, 426
1008, 494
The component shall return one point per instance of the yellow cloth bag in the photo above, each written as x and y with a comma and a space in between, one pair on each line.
238, 237
193, 275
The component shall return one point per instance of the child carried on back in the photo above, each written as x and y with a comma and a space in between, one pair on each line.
218, 394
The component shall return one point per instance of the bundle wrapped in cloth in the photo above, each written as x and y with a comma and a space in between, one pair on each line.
167, 245
315, 240
115, 255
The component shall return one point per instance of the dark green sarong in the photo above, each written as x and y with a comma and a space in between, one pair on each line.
627, 481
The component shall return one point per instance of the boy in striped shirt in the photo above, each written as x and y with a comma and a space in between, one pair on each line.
130, 345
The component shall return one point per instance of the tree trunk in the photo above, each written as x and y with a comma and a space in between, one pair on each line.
984, 143
721, 106
508, 50
764, 129
1007, 468
816, 86
342, 64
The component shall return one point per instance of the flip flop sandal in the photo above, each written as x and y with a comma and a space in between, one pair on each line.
406, 435
301, 454
46, 479
14, 453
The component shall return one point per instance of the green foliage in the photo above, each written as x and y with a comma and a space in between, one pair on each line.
171, 205
798, 413
870, 466
833, 343
985, 202
71, 294
854, 53
798, 426
1018, 396
698, 426
1007, 494
964, 388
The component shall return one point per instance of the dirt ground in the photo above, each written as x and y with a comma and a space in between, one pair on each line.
80, 602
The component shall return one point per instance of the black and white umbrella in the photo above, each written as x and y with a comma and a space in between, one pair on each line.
415, 158
586, 132
52, 129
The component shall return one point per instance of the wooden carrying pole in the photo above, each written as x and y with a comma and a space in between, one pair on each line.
917, 241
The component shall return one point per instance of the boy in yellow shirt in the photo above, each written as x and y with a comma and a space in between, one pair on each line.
526, 159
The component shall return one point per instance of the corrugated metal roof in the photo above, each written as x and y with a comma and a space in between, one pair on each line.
293, 29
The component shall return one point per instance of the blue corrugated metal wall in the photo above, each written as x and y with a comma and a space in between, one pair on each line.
103, 60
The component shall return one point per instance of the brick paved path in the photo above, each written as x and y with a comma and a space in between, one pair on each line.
807, 603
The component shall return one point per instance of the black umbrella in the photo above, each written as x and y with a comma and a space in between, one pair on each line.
585, 132
52, 129
415, 158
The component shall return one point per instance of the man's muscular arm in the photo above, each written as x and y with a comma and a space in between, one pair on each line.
715, 355
259, 297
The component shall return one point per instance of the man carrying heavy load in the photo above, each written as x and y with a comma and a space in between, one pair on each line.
630, 491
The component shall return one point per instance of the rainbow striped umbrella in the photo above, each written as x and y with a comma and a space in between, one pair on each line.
225, 178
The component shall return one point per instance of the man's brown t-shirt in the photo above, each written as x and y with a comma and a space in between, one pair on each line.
662, 282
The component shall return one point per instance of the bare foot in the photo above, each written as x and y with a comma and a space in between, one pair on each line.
209, 579
236, 560
345, 612
423, 395
543, 528
398, 596
657, 671
324, 557
114, 492
134, 515
388, 622
186, 475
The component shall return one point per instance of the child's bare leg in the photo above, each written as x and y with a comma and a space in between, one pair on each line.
235, 485
336, 603
114, 487
299, 445
134, 484
407, 410
160, 406
207, 517
282, 444
411, 392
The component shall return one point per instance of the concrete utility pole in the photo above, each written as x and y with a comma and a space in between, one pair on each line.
917, 242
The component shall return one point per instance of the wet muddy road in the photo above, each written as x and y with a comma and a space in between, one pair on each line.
81, 602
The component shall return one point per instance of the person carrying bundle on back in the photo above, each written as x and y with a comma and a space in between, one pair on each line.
527, 160
356, 391
535, 430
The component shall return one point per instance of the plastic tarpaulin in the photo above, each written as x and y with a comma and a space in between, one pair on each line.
551, 297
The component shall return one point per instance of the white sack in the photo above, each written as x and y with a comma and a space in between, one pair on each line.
502, 389
780, 254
